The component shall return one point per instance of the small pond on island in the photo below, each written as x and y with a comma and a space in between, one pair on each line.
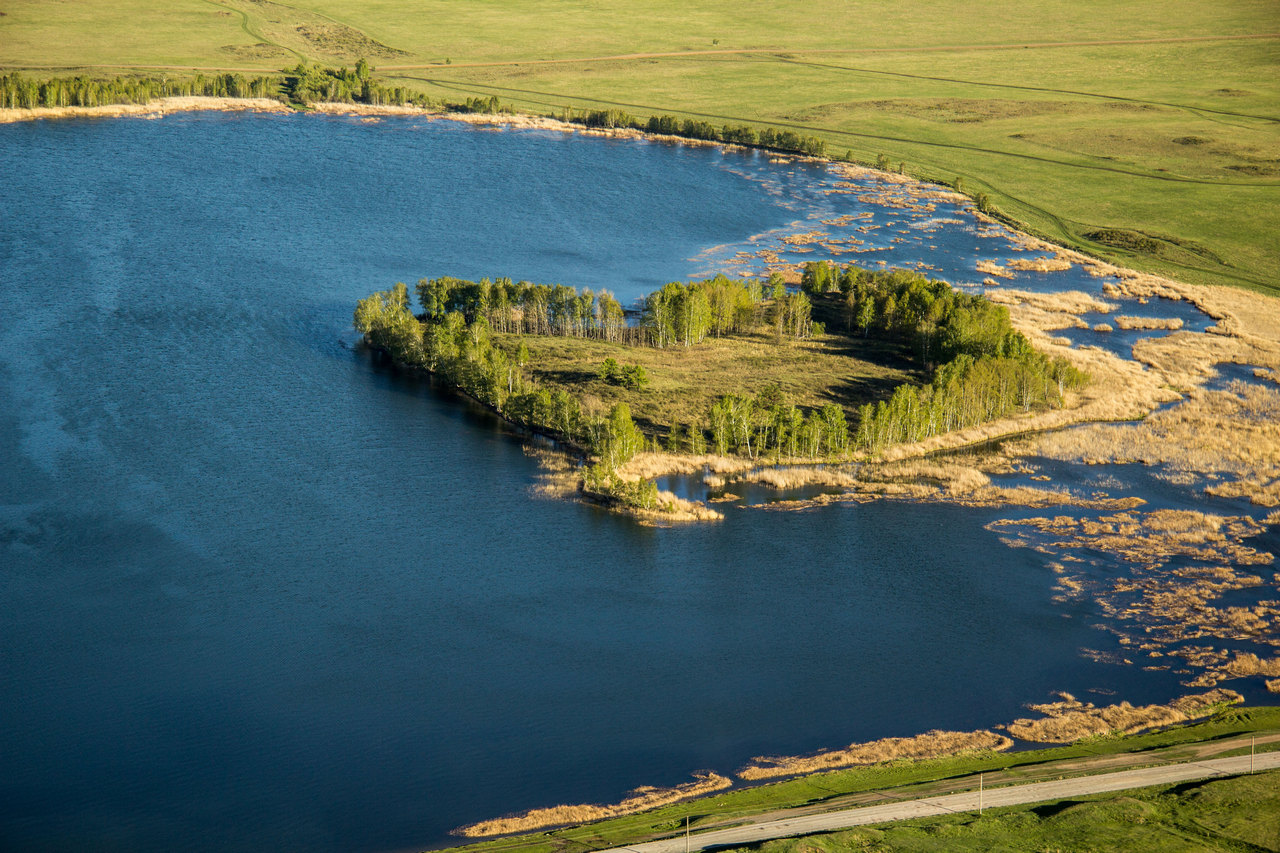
261, 594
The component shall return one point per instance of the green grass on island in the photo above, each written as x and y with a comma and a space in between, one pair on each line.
1145, 133
684, 382
1029, 828
726, 366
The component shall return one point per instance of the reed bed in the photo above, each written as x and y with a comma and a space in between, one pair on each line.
1153, 539
1246, 664
648, 465
558, 475
793, 477
934, 744
1229, 438
1069, 720
1125, 321
993, 268
671, 508
1186, 360
1053, 264
641, 799
1066, 302
1162, 607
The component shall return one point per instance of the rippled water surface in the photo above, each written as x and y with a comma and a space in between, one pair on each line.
260, 594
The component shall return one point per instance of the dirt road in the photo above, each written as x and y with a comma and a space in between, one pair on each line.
967, 802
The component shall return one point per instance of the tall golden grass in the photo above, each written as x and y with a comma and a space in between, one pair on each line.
993, 268
934, 744
1052, 264
1066, 302
1246, 664
797, 476
1070, 720
1231, 435
649, 465
641, 799
1125, 321
1160, 606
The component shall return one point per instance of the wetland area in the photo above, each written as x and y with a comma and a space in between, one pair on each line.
265, 592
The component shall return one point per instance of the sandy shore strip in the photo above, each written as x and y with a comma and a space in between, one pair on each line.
641, 799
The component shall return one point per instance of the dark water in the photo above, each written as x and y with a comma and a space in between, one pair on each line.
260, 594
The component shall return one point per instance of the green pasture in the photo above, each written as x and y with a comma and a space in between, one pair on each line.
1159, 149
1227, 815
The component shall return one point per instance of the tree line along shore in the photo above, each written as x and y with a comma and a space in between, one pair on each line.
570, 364
306, 85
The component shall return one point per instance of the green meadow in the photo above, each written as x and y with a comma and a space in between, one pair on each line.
1194, 817
1148, 133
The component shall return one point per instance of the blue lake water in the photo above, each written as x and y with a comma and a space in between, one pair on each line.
260, 593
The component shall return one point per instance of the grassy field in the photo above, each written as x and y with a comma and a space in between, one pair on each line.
847, 788
1147, 133
685, 381
1239, 813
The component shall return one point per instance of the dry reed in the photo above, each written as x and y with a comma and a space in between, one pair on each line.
558, 476
1070, 720
157, 108
1066, 302
1230, 435
641, 799
1161, 607
934, 744
1053, 264
648, 465
993, 268
792, 477
1125, 321
1246, 664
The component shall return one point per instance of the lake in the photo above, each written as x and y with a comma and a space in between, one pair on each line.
261, 593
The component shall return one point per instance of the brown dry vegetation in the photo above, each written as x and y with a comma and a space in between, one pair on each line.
1053, 264
1127, 322
1069, 720
156, 109
1229, 439
1162, 608
641, 799
934, 744
791, 477
993, 268
648, 465
1066, 302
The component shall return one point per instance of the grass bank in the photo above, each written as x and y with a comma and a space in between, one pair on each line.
1237, 813
1149, 135
1227, 733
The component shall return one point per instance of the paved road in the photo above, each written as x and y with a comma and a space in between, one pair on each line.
1011, 795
